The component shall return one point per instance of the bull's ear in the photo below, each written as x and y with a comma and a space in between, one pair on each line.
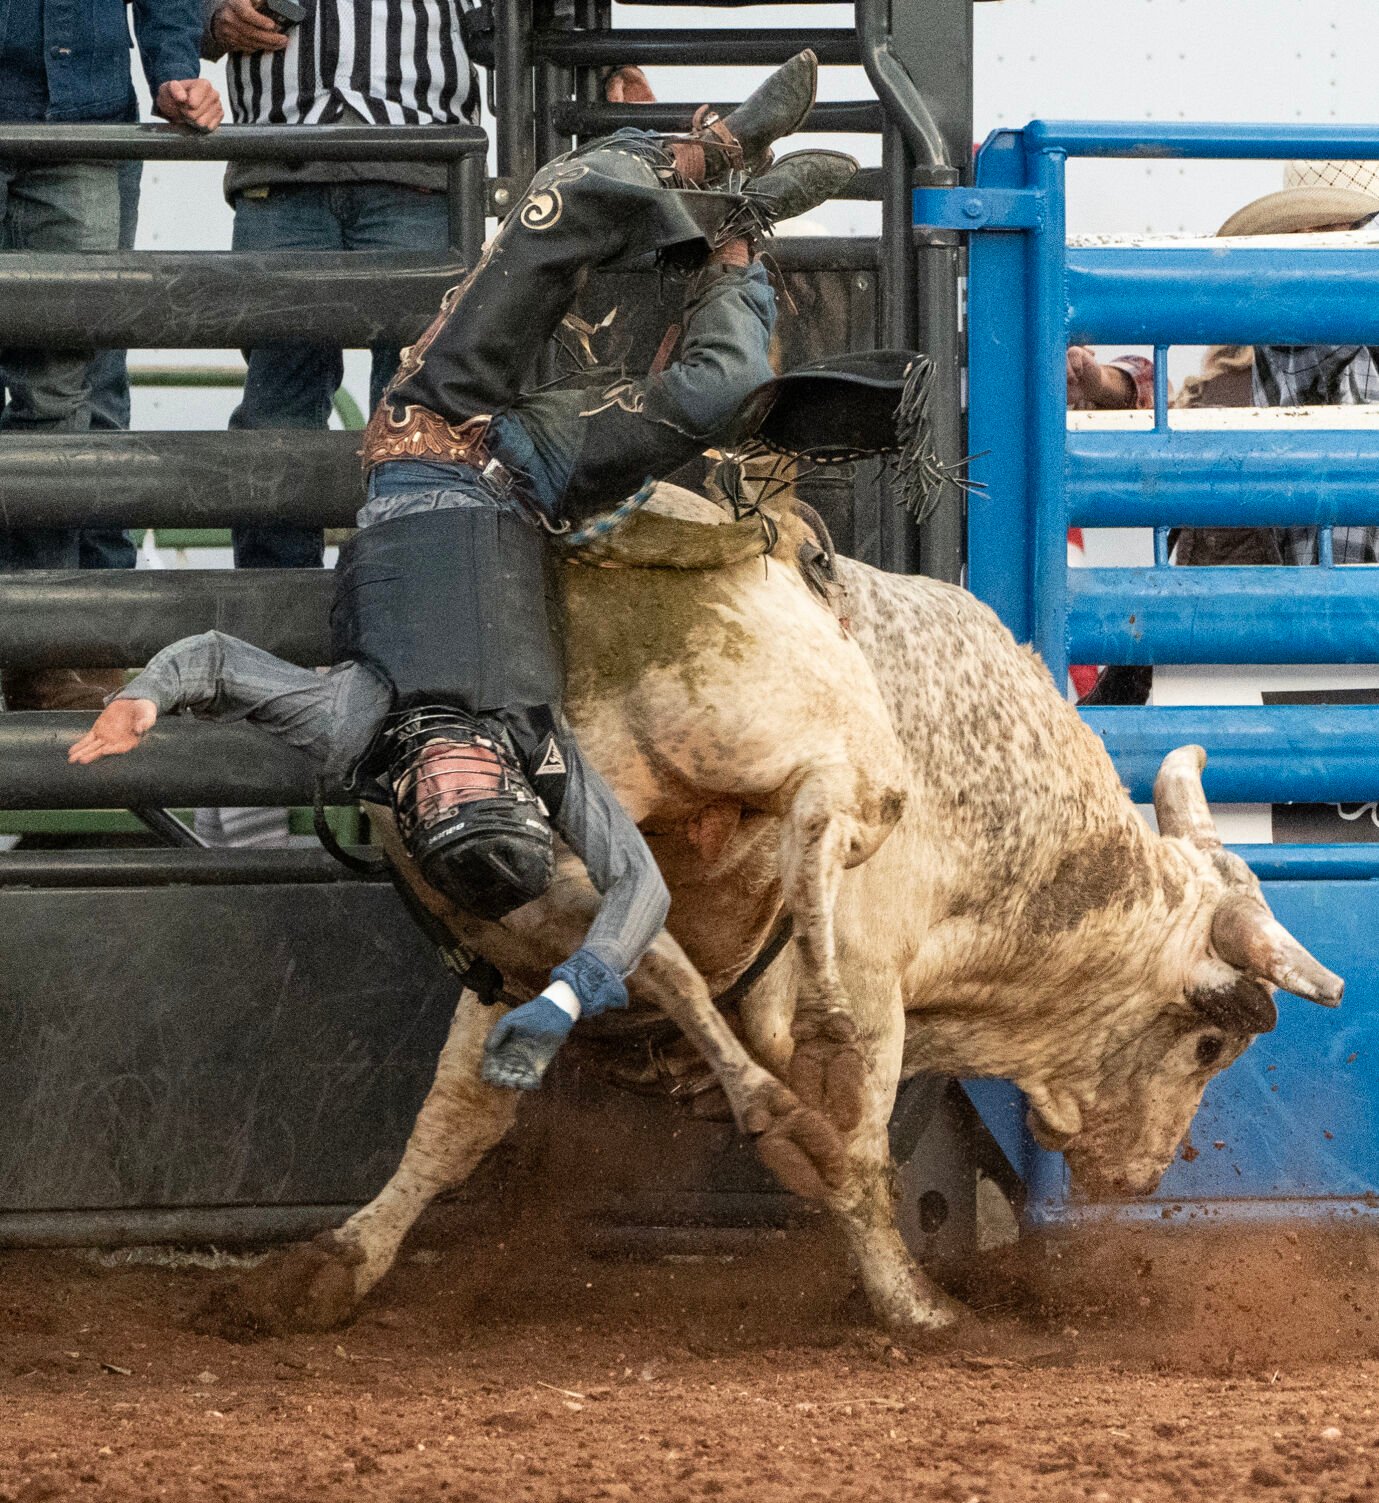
1238, 1006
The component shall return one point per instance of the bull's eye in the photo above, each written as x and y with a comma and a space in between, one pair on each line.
1209, 1049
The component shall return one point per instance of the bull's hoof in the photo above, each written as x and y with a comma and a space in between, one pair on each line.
800, 1147
309, 1286
827, 1070
942, 1330
930, 1321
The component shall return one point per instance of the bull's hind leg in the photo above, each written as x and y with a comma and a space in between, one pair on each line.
838, 817
800, 1147
316, 1285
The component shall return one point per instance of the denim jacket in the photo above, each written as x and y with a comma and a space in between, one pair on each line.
82, 46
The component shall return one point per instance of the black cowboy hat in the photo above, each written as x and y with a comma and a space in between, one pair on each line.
857, 405
842, 408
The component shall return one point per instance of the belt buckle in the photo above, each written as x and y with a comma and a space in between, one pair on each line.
498, 476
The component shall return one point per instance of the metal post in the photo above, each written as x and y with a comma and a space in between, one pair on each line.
465, 186
513, 75
919, 288
1000, 328
897, 538
591, 15
934, 44
553, 85
941, 549
1048, 417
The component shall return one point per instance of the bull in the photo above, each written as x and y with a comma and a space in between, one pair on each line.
973, 894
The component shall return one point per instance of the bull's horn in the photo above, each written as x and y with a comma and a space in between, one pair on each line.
1246, 935
1179, 802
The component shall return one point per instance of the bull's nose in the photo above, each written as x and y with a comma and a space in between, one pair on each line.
1136, 1186
1125, 1185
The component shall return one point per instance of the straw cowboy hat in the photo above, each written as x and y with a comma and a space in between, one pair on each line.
1314, 193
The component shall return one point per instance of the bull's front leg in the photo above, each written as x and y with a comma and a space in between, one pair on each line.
900, 1293
318, 1284
838, 817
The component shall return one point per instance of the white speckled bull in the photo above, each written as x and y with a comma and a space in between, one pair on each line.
1021, 920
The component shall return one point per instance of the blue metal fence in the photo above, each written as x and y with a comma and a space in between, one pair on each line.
1031, 295
1297, 1123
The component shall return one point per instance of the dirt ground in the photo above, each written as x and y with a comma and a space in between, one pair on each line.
507, 1364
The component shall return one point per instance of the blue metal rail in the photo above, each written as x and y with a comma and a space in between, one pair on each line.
1293, 1127
1032, 295
1221, 615
1223, 478
1257, 754
1241, 295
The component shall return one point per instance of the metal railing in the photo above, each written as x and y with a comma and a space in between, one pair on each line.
460, 149
188, 479
1031, 295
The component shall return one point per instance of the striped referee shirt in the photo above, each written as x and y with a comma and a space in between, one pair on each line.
387, 62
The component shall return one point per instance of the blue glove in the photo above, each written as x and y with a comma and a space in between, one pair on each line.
523, 1043
597, 987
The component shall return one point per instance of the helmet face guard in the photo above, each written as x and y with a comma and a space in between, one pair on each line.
466, 812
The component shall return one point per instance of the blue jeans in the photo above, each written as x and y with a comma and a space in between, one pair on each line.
403, 487
292, 385
51, 207
108, 377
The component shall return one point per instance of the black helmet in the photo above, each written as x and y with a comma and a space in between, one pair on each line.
466, 812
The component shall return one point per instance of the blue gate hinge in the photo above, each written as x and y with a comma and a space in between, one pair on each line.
979, 208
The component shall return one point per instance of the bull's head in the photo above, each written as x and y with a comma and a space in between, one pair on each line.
1226, 957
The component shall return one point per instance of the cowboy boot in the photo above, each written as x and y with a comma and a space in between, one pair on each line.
774, 109
794, 185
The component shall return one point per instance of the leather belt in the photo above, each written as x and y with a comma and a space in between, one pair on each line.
422, 434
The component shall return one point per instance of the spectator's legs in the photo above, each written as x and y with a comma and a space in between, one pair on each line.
387, 216
58, 207
102, 547
288, 385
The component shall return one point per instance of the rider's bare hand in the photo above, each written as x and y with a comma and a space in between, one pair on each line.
119, 728
628, 85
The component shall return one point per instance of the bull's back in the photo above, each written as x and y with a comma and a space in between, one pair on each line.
996, 755
720, 682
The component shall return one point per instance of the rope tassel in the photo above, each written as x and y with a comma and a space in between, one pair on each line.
922, 471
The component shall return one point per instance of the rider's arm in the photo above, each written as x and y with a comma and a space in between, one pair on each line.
595, 826
330, 716
635, 900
